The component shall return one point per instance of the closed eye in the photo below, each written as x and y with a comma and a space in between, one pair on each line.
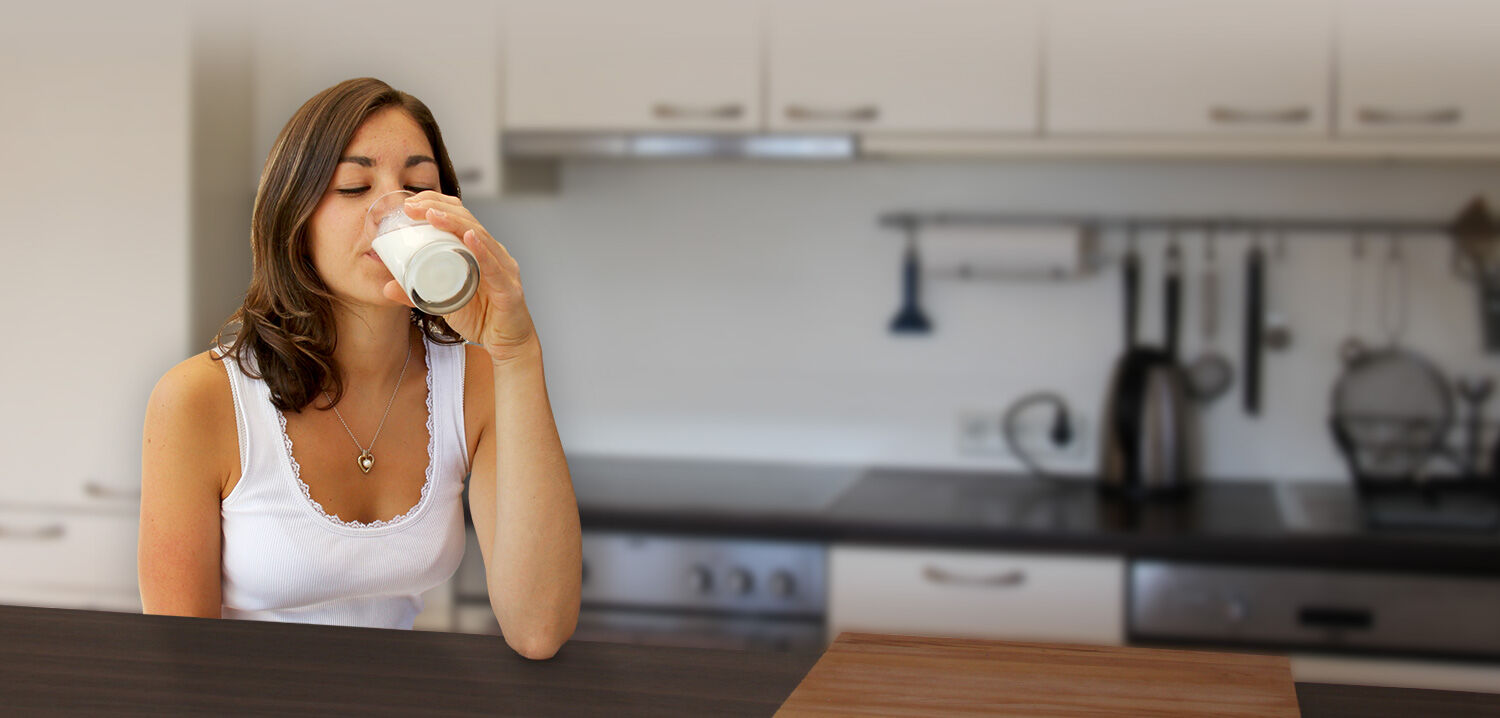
356, 191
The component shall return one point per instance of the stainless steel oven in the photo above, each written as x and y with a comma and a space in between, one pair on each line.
1318, 609
682, 590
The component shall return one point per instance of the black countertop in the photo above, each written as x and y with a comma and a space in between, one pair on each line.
1249, 522
69, 662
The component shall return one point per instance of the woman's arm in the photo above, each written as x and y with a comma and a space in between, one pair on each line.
182, 474
525, 514
521, 496
538, 563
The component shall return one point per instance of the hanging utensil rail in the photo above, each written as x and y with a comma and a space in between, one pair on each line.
1223, 223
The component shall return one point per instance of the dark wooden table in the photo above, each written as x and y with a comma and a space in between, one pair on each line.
69, 662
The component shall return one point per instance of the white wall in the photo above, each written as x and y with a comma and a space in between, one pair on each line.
740, 309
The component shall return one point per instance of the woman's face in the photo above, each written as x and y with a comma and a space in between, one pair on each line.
388, 152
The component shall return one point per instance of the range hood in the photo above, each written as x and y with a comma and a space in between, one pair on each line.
521, 144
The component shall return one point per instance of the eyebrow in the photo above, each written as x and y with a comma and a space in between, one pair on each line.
411, 161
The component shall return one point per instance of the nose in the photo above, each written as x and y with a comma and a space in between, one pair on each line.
386, 202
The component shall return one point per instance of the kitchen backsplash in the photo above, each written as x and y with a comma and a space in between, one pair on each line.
740, 310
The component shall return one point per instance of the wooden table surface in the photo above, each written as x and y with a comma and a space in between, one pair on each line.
71, 662
880, 675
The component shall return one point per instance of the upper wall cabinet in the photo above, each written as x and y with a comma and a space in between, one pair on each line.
1223, 68
454, 70
1418, 68
652, 65
904, 65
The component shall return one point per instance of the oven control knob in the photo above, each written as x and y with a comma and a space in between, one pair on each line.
783, 585
740, 581
1235, 609
700, 579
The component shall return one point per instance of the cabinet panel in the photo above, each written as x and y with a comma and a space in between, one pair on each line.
1188, 67
95, 202
641, 65
904, 65
47, 553
1418, 68
446, 55
984, 594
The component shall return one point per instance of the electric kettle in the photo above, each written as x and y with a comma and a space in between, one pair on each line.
1149, 423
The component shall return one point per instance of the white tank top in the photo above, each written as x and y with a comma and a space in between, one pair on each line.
285, 559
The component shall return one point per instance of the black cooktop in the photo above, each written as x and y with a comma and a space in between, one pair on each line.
1247, 521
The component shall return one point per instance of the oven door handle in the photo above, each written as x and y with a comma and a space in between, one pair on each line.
1009, 579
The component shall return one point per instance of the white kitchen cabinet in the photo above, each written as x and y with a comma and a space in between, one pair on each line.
1418, 68
60, 558
904, 65
982, 594
95, 199
1190, 68
445, 53
644, 65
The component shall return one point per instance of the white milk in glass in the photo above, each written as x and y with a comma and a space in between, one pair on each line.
434, 268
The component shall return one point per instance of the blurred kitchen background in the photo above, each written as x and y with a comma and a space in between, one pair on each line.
735, 218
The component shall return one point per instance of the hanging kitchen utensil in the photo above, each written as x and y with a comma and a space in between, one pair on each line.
910, 319
1353, 347
1255, 275
1131, 281
1391, 408
1476, 236
1475, 393
1211, 374
1277, 334
1172, 295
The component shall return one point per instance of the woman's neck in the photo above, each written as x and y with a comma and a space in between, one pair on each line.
372, 347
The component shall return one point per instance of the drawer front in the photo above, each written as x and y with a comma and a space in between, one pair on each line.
986, 594
58, 553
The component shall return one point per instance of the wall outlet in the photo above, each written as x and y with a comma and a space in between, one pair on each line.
979, 434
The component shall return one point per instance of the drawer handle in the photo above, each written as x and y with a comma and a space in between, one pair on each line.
1009, 579
669, 111
1239, 115
99, 491
1387, 116
862, 113
45, 533
1336, 617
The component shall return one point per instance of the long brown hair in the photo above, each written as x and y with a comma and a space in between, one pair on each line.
286, 320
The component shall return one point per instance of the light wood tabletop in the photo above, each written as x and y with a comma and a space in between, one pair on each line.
869, 674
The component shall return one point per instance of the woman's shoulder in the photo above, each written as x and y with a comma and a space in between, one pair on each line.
192, 405
195, 395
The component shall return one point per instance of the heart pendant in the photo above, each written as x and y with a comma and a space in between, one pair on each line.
366, 460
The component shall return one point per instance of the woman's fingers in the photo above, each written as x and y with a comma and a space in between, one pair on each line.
489, 265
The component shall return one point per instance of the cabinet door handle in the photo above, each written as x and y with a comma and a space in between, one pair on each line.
1226, 115
45, 533
862, 113
1389, 116
97, 490
1008, 579
669, 111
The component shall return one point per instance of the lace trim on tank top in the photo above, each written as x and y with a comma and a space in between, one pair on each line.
426, 483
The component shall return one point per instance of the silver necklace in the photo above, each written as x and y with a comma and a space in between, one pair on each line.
366, 460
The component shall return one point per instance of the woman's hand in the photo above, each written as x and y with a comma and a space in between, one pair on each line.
496, 318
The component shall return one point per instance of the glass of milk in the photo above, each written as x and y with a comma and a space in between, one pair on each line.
437, 272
